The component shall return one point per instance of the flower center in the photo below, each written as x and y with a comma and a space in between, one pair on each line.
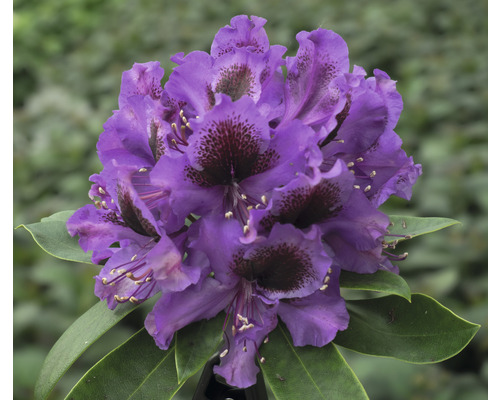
279, 268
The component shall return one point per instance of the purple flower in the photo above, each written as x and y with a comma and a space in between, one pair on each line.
352, 228
147, 259
232, 160
234, 69
286, 274
311, 92
364, 137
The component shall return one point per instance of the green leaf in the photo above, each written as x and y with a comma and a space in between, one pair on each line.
195, 344
136, 370
406, 227
419, 332
380, 281
74, 341
307, 372
53, 237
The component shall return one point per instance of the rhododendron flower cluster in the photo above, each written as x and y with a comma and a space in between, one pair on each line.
232, 188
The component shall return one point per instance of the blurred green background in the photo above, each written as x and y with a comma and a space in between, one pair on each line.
68, 59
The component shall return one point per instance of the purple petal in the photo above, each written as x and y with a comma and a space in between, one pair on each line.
142, 79
238, 365
295, 151
290, 263
190, 82
166, 262
395, 171
311, 93
316, 319
176, 176
98, 229
219, 240
355, 235
242, 33
127, 276
175, 310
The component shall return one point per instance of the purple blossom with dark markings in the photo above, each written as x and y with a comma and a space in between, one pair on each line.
283, 274
232, 160
234, 189
364, 138
147, 259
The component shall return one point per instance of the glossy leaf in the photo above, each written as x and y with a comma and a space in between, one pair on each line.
195, 344
420, 332
136, 370
405, 227
307, 372
380, 281
53, 237
74, 341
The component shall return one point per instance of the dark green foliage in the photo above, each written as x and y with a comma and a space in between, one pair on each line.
68, 60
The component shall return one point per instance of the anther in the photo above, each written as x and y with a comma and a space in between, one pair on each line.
174, 126
188, 125
242, 318
148, 279
360, 159
245, 349
266, 340
349, 165
323, 288
340, 141
243, 328
263, 198
250, 208
228, 215
408, 236
356, 186
246, 229
367, 189
138, 282
104, 205
104, 281
184, 119
373, 173
326, 280
233, 330
257, 206
143, 169
122, 271
244, 196
101, 190
262, 360
174, 142
129, 275
224, 353
181, 114
112, 271
133, 300
134, 257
